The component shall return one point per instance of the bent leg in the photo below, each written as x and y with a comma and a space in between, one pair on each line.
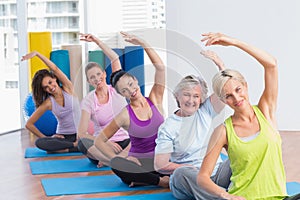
130, 172
184, 185
84, 144
52, 144
87, 147
223, 174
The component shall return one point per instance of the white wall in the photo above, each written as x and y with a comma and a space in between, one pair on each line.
270, 25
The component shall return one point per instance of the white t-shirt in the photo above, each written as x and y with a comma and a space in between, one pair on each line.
187, 138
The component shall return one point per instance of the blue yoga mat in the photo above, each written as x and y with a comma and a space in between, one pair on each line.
64, 166
163, 195
223, 156
87, 185
293, 188
33, 152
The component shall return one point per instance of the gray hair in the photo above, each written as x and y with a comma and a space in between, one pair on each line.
221, 78
191, 81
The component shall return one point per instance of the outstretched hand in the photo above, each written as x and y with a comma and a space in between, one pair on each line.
217, 39
214, 57
29, 56
131, 38
87, 37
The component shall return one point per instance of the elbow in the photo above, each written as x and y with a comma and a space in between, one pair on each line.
99, 142
273, 63
158, 165
28, 125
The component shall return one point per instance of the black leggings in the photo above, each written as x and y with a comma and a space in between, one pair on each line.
129, 171
52, 144
84, 144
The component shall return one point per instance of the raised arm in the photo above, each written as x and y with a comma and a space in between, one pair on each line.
213, 57
113, 56
268, 100
157, 91
217, 141
66, 83
215, 100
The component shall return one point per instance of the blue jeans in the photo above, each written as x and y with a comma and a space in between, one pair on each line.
184, 185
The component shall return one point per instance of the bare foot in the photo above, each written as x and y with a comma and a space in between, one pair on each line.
132, 184
100, 164
164, 181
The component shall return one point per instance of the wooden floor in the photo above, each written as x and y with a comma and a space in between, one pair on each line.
17, 182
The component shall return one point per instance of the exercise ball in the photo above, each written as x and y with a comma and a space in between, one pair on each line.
47, 123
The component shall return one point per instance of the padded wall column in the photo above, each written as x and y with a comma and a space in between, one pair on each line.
108, 68
134, 64
41, 42
98, 57
62, 60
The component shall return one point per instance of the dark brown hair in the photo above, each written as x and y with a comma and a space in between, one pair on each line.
38, 93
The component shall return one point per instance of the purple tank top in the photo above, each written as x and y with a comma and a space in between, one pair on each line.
65, 114
143, 133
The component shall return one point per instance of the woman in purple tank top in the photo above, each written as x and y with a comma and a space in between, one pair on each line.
49, 95
141, 118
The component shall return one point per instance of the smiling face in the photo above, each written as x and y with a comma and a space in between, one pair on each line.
189, 99
235, 94
96, 77
128, 87
49, 84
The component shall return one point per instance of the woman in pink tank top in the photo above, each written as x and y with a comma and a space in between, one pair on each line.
100, 106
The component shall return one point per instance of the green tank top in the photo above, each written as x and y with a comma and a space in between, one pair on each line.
257, 167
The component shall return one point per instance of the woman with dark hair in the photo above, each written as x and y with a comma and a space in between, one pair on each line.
61, 100
141, 118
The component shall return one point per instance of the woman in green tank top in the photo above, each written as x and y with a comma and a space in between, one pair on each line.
250, 137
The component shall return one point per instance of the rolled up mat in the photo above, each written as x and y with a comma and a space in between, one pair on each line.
62, 61
108, 68
41, 42
75, 55
134, 64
